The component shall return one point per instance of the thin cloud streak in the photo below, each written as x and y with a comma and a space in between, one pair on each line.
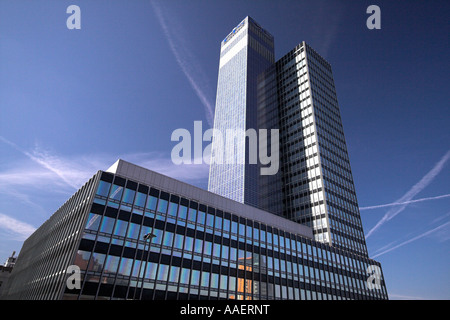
432, 231
20, 230
180, 54
402, 203
407, 197
60, 172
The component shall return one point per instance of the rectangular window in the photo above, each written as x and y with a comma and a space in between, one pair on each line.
163, 272
93, 222
216, 250
103, 188
168, 239
96, 262
173, 208
151, 203
195, 277
226, 225
162, 206
151, 270
133, 231
214, 281
207, 248
192, 216
116, 192
174, 274
178, 241
125, 266
182, 212
128, 196
140, 199
210, 220
121, 228
107, 225
198, 246
184, 276
218, 223
111, 264
188, 244
205, 279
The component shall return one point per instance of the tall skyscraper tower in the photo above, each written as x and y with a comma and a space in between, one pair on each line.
296, 95
245, 53
318, 188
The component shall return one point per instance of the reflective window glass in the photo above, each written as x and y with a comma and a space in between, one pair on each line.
184, 276
182, 212
218, 223
173, 208
116, 192
163, 272
201, 217
168, 239
125, 266
174, 274
198, 246
188, 243
107, 225
82, 259
133, 231
128, 196
140, 199
96, 262
111, 264
93, 221
103, 188
178, 241
195, 277
162, 206
210, 220
121, 228
151, 270
151, 203
205, 279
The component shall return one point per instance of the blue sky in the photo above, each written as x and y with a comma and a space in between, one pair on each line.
74, 101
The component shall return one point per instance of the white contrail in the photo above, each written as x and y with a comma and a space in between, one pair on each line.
48, 162
413, 239
406, 202
180, 56
22, 229
407, 197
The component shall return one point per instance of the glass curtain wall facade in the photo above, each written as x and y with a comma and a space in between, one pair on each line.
317, 178
245, 53
199, 252
203, 252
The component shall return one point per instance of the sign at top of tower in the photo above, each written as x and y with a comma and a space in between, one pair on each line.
235, 30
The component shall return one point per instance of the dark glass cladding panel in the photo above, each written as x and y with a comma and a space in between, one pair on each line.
86, 245
193, 205
124, 215
97, 208
111, 212
132, 185
108, 177
119, 181
164, 195
154, 192
174, 198
90, 288
135, 218
101, 247
143, 188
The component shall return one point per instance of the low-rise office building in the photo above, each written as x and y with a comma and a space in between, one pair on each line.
202, 246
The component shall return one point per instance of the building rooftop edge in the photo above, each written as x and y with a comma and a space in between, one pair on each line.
158, 180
